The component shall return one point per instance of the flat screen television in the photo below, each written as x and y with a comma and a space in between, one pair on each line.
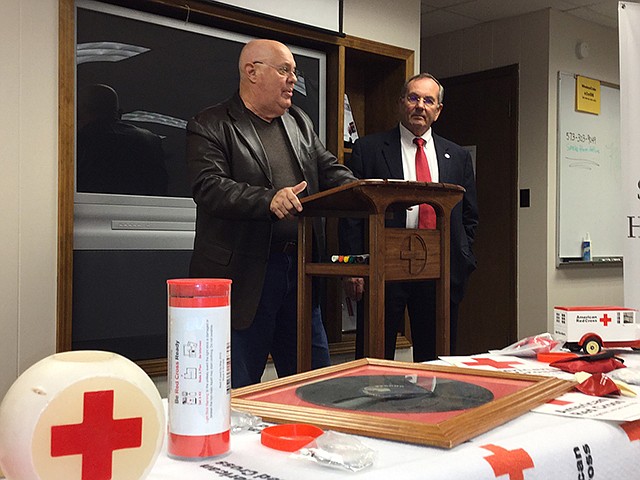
132, 233
163, 71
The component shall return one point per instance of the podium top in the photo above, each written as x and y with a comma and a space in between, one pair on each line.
375, 196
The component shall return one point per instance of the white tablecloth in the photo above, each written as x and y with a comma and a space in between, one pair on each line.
533, 446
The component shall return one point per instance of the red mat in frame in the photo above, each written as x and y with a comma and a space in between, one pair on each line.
514, 394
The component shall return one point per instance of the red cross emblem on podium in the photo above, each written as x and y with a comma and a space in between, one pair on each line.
508, 462
97, 436
606, 319
416, 253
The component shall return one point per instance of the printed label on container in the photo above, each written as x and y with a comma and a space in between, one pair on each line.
199, 370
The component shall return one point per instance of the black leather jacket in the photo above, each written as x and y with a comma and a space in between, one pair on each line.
232, 187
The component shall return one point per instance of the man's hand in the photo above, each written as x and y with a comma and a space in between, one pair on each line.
353, 287
286, 203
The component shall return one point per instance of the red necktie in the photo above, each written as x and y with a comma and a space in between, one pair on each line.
427, 215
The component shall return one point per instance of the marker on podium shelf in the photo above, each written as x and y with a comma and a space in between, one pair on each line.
586, 248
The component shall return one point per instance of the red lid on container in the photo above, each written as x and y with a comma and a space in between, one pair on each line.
199, 292
289, 437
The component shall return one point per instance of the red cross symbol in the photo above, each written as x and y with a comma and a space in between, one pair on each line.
606, 319
97, 436
632, 429
508, 462
491, 363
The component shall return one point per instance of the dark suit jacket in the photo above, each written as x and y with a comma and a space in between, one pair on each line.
379, 156
232, 188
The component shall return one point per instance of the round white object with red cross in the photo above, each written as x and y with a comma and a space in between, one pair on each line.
81, 415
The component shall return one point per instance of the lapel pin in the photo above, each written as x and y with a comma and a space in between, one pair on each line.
446, 155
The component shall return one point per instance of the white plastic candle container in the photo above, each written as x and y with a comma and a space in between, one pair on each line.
78, 415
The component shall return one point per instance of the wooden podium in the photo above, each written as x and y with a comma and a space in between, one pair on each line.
394, 253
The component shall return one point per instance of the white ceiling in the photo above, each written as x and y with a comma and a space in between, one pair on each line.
441, 16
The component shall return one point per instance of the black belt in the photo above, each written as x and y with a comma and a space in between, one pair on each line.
290, 248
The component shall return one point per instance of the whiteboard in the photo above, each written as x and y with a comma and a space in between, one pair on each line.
589, 174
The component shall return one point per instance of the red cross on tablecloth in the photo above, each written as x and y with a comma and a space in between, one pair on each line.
632, 429
97, 436
508, 462
606, 319
490, 362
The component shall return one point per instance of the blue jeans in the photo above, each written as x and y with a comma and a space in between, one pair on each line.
274, 328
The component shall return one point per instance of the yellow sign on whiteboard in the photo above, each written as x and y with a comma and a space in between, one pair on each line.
587, 95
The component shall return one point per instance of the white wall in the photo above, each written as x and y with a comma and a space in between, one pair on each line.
579, 286
28, 183
395, 23
28, 156
541, 43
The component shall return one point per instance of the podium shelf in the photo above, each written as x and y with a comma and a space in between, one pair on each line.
337, 270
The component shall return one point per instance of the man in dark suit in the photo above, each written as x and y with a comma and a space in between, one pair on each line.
251, 157
399, 154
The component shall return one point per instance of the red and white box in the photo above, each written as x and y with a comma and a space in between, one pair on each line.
594, 327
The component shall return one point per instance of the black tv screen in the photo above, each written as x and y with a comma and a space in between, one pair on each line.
134, 227
164, 71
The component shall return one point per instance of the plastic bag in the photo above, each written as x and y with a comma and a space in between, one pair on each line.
530, 346
241, 421
338, 450
627, 375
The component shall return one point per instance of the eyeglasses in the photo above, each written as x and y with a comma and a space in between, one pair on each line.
414, 99
283, 70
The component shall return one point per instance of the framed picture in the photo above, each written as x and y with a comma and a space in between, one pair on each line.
416, 403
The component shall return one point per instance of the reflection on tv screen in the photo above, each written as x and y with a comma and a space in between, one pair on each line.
139, 80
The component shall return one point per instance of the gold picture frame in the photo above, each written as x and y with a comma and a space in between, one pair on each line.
513, 395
